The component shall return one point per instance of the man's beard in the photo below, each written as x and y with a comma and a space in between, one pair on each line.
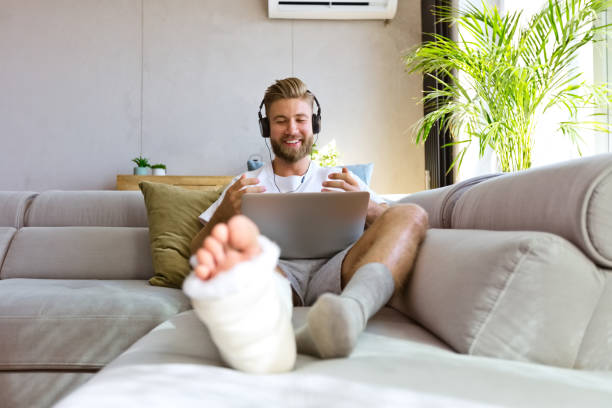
289, 154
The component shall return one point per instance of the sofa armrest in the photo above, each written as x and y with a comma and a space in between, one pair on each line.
6, 235
13, 207
440, 202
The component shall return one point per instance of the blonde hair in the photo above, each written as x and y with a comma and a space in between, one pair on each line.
288, 88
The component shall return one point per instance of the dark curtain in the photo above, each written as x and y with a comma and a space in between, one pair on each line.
437, 158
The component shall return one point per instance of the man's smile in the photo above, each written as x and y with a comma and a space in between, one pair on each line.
293, 142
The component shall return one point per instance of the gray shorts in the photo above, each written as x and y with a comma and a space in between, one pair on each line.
310, 278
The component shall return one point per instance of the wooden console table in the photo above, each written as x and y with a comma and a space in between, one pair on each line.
130, 182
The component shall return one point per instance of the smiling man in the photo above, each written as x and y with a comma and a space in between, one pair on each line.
297, 143
243, 292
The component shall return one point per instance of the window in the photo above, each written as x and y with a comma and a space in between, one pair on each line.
551, 145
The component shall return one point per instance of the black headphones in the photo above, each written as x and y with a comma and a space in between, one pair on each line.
264, 122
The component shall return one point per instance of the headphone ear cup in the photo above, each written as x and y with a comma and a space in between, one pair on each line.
264, 127
316, 124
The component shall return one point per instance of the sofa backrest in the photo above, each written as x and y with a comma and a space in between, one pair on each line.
87, 209
572, 199
82, 235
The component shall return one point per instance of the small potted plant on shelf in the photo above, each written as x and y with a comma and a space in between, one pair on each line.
142, 166
159, 169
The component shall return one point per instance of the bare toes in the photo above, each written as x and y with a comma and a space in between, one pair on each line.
232, 258
205, 258
215, 248
202, 272
221, 233
243, 234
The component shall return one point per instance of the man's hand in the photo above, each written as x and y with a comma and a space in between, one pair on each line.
232, 201
229, 207
344, 181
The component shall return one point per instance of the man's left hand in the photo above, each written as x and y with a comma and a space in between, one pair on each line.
345, 182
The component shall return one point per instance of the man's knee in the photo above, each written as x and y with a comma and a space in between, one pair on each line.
410, 214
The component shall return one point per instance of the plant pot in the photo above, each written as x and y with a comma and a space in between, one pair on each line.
159, 172
141, 171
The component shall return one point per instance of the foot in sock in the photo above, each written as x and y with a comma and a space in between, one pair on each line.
335, 322
245, 304
333, 325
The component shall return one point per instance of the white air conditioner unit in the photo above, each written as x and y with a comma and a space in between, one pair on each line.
333, 10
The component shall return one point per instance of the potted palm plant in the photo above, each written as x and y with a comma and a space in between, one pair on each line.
498, 78
142, 166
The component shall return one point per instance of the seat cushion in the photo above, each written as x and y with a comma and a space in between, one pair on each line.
79, 253
395, 364
13, 206
524, 296
29, 389
87, 209
185, 337
572, 199
77, 324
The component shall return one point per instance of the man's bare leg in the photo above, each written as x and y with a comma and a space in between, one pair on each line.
243, 301
375, 268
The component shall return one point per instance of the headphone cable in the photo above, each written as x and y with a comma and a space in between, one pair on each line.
274, 174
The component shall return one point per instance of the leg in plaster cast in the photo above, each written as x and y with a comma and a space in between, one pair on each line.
244, 302
375, 269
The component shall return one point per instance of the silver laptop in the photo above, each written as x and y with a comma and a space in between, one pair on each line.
309, 225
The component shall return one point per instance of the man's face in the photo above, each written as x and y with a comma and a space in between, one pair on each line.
291, 129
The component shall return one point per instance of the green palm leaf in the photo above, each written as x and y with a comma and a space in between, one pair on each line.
497, 80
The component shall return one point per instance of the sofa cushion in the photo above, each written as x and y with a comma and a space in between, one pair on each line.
174, 366
13, 206
87, 209
572, 199
79, 253
77, 324
440, 202
596, 349
515, 295
28, 389
184, 335
173, 219
6, 235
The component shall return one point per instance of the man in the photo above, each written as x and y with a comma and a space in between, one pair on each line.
241, 290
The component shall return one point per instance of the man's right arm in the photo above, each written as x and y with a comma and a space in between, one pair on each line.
217, 217
230, 206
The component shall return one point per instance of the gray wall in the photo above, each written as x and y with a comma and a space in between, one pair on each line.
87, 85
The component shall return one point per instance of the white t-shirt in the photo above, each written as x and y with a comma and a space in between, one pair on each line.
312, 183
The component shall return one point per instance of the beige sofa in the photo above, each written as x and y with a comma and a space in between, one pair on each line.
73, 289
510, 303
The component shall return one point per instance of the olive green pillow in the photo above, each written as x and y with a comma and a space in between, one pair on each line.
173, 222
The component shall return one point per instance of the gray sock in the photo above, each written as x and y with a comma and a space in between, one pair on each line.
335, 321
